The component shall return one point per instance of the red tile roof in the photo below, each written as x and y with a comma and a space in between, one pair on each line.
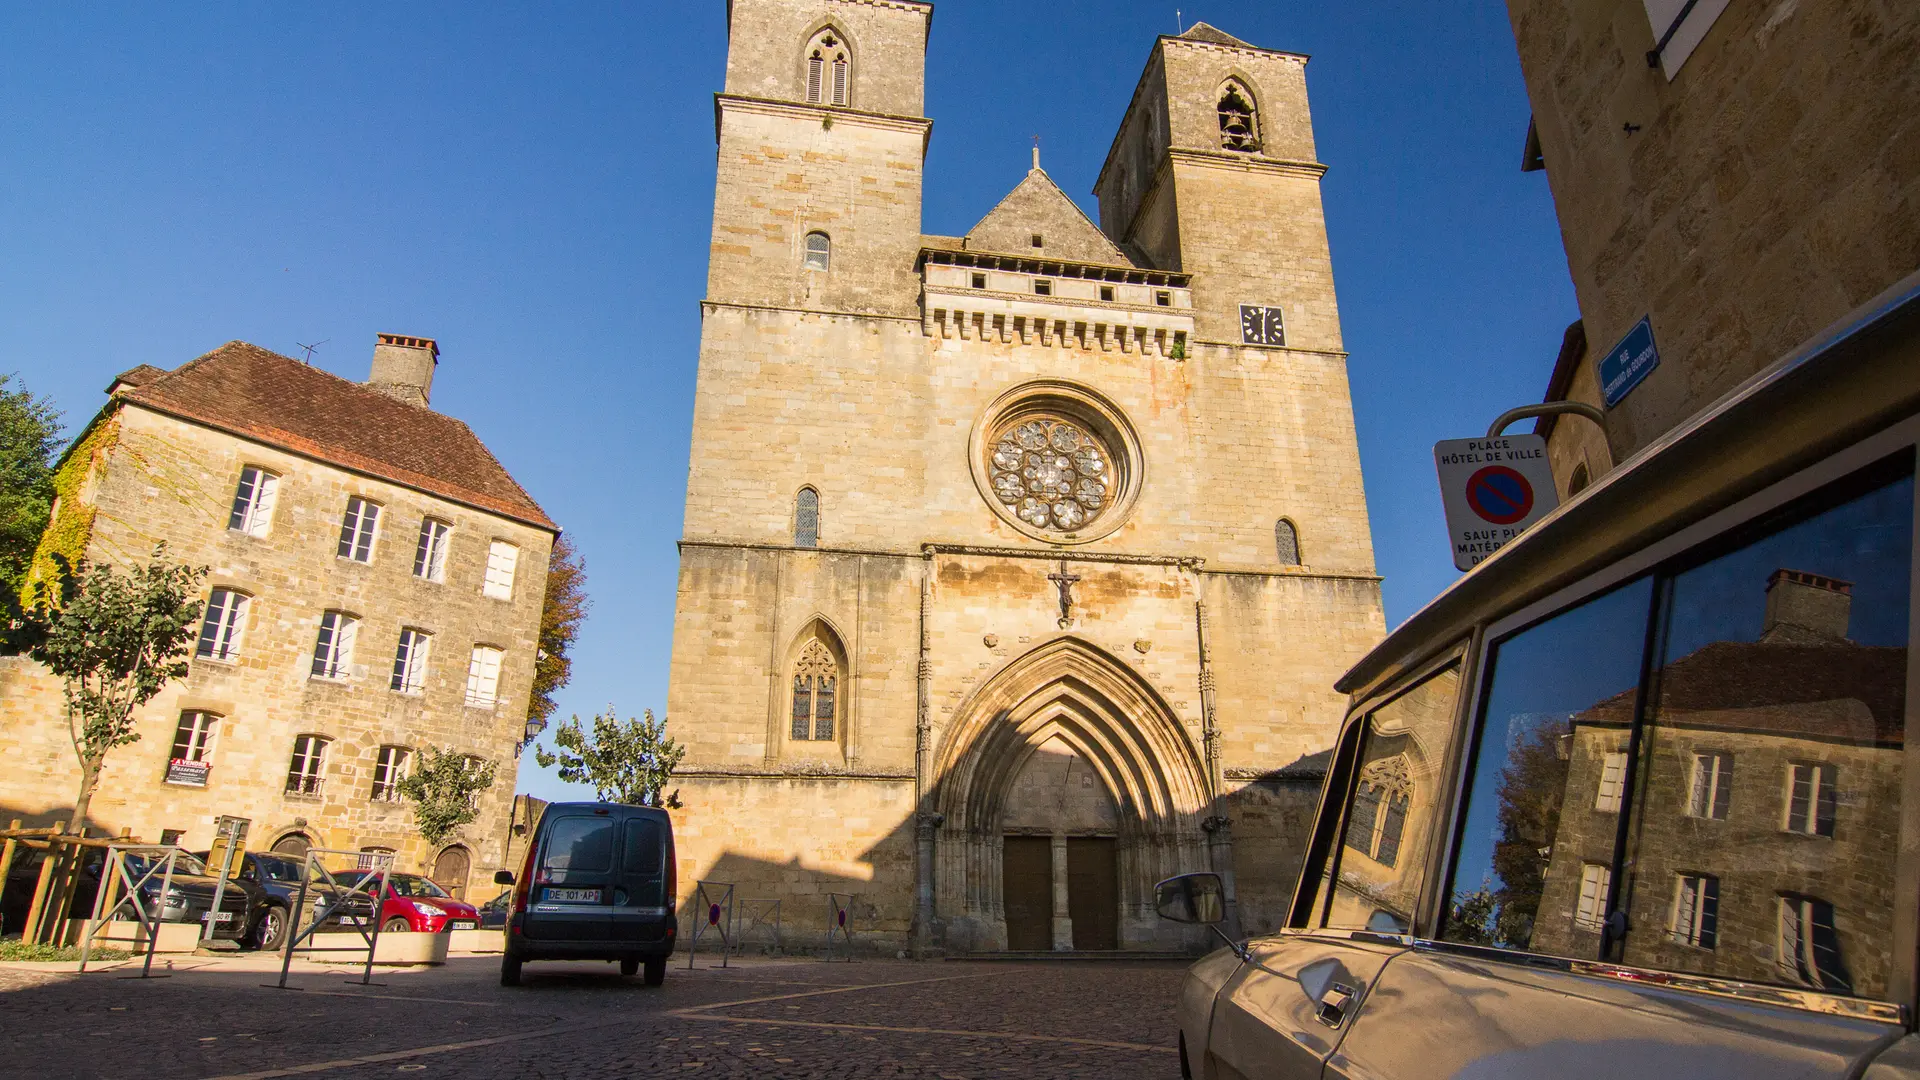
255, 394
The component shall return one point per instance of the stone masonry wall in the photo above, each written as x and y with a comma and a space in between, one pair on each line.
174, 481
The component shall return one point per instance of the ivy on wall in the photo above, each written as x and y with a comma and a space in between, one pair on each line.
69, 532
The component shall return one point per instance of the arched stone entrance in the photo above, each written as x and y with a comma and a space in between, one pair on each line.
450, 870
1065, 701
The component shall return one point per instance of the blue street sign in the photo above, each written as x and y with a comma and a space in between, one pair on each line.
1628, 362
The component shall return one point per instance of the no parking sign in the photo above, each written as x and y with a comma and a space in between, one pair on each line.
1493, 490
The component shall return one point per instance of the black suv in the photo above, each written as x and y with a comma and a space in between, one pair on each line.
278, 879
598, 884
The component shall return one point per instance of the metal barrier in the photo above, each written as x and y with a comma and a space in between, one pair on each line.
366, 868
713, 913
758, 915
838, 924
158, 859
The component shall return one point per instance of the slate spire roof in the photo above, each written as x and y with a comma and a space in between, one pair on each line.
1037, 207
255, 394
1202, 32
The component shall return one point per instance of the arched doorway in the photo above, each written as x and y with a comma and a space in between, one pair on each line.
1059, 868
450, 870
294, 845
1065, 713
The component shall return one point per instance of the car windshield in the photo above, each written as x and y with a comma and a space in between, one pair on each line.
408, 885
273, 868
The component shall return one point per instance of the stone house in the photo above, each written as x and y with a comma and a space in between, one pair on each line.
1017, 566
376, 585
1740, 175
1770, 784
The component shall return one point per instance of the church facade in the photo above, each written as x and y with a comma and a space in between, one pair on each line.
1018, 566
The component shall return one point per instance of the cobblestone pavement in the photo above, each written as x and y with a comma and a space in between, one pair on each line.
761, 1018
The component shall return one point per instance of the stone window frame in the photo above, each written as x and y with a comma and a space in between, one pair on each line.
1286, 534
194, 740
392, 762
430, 555
223, 625
497, 583
254, 497
1238, 85
479, 677
1079, 404
333, 643
412, 652
806, 519
826, 67
307, 765
819, 645
817, 258
360, 529
1695, 923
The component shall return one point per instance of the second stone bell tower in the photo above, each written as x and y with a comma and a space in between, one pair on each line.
821, 143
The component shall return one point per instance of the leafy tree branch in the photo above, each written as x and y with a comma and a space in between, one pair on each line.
444, 789
626, 761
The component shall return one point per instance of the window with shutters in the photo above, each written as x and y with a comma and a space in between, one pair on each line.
1696, 910
1286, 542
829, 70
388, 770
1613, 770
223, 625
1808, 950
358, 527
1809, 799
806, 518
819, 251
430, 555
1710, 786
483, 677
502, 559
307, 767
1239, 124
333, 646
1678, 28
1591, 913
253, 501
816, 685
410, 661
192, 749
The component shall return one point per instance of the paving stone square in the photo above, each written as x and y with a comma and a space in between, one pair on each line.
213, 1019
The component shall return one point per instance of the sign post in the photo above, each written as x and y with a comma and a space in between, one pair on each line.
1493, 489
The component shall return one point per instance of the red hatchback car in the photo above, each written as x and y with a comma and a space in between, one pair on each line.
414, 903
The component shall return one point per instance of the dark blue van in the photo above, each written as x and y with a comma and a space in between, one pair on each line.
598, 884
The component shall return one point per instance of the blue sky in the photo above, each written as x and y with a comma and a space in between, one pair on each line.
533, 188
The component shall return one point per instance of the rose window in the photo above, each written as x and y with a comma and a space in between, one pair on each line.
1051, 473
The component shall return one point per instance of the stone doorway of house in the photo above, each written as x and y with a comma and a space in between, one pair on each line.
293, 844
450, 870
1027, 869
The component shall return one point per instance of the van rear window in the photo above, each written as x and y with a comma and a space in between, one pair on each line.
580, 843
644, 853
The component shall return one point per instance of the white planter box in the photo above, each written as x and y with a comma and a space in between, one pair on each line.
127, 934
477, 941
396, 948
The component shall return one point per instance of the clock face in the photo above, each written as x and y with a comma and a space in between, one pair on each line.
1262, 325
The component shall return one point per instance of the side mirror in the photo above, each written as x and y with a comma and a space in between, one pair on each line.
1191, 898
503, 877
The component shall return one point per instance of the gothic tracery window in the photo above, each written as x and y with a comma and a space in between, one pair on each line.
1052, 472
1378, 820
815, 693
1239, 130
828, 70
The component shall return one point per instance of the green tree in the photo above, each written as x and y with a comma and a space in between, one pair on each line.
626, 761
117, 639
444, 787
29, 441
560, 619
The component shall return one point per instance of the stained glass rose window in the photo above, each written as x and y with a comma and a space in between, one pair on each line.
1051, 473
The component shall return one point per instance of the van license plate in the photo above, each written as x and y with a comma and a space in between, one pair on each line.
574, 896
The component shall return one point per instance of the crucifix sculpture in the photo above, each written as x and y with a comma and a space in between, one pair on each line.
1064, 581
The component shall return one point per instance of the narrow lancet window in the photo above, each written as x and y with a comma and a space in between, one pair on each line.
806, 518
1286, 542
829, 70
1239, 128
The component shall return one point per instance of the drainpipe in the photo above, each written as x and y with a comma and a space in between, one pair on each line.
926, 822
1218, 826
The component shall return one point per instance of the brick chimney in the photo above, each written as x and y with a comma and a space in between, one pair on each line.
403, 367
1805, 608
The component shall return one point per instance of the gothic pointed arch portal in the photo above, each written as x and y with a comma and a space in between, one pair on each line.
1069, 692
